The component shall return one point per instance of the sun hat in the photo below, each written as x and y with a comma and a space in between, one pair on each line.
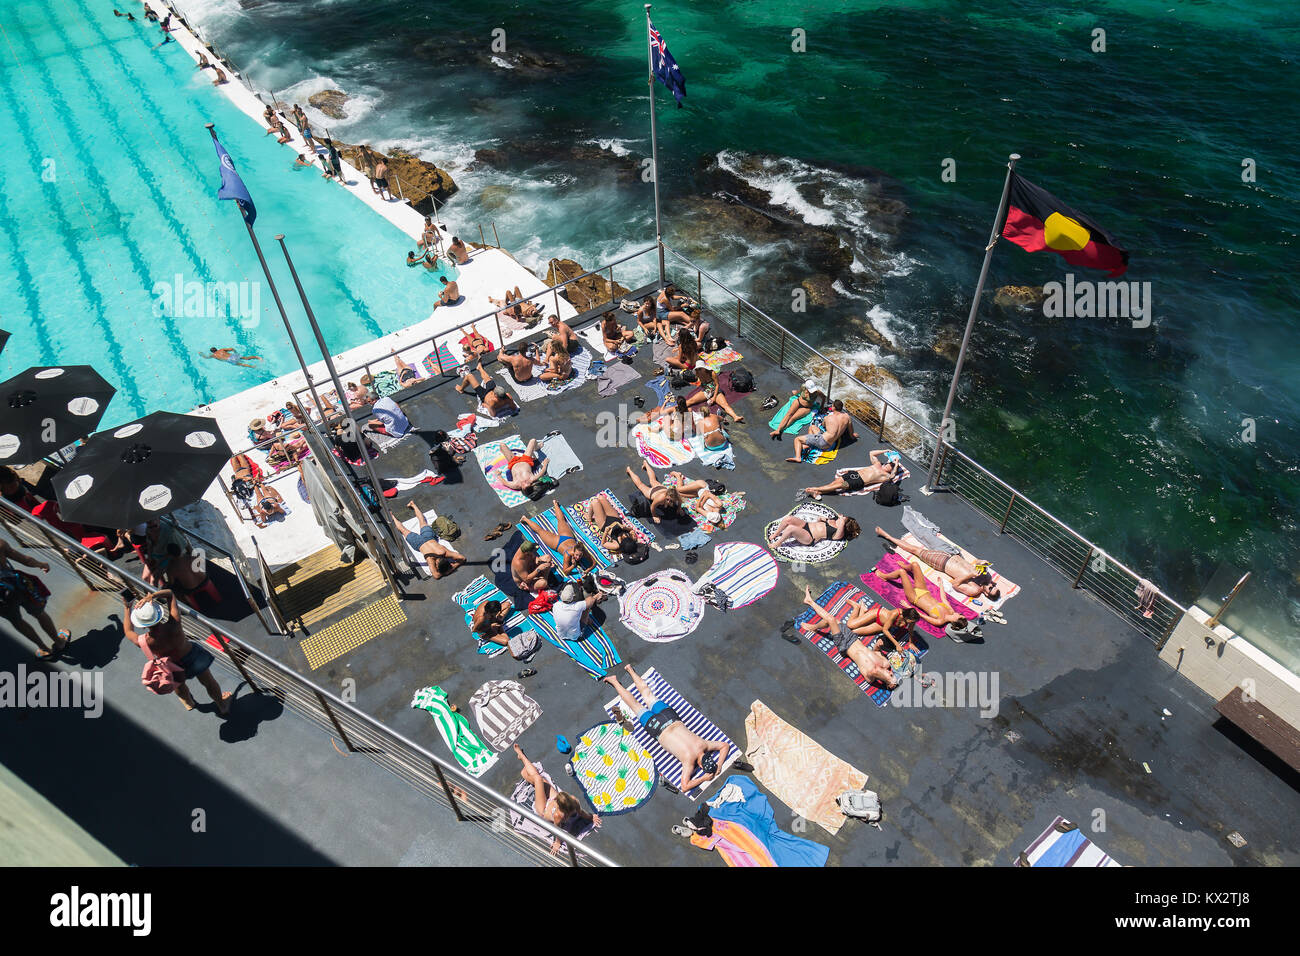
257, 424
148, 615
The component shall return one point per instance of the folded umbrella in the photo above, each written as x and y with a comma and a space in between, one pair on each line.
140, 471
47, 408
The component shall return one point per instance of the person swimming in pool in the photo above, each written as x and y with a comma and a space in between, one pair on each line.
421, 260
233, 357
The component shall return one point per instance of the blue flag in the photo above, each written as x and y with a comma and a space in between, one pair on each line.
232, 187
665, 67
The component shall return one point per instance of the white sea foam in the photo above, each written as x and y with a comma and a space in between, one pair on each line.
616, 146
504, 64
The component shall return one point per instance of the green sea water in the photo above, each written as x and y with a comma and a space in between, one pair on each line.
1132, 436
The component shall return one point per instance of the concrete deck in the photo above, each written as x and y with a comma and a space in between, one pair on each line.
1081, 696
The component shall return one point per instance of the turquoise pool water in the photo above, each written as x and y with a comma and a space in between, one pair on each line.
109, 195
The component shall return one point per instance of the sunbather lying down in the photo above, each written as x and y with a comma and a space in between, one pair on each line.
804, 531
870, 661
937, 612
565, 543
966, 578
884, 465
665, 725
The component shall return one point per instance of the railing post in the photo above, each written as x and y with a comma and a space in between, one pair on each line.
494, 234
501, 337
737, 316
829, 378
234, 659
611, 285
555, 295
573, 854
1087, 559
334, 720
1003, 526
481, 240
451, 798
781, 361
884, 410
699, 288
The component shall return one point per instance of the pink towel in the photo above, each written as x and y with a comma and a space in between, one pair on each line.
893, 593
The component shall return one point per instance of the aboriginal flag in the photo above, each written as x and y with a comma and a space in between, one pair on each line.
1038, 221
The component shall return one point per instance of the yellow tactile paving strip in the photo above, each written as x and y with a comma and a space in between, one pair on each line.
353, 631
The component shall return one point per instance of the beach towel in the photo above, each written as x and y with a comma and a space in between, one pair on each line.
668, 766
745, 831
615, 377
525, 794
535, 388
503, 711
979, 605
616, 773
548, 521
836, 600
656, 447
562, 459
585, 531
411, 524
594, 652
744, 572
926, 531
382, 440
450, 364
475, 593
814, 456
892, 592
406, 484
733, 503
1061, 844
661, 608
796, 769
903, 475
385, 383
722, 457
470, 752
492, 458
796, 426
723, 356
815, 553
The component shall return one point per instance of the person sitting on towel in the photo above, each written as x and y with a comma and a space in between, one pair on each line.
488, 622
858, 479
809, 531
685, 355
665, 725
521, 468
613, 335
871, 662
558, 366
664, 502
563, 334
521, 365
710, 505
807, 399
937, 612
496, 401
565, 544
554, 805
966, 578
894, 624
530, 569
646, 319
572, 612
424, 540
450, 293
710, 392
837, 423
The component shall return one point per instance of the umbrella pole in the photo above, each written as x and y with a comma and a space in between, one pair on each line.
334, 376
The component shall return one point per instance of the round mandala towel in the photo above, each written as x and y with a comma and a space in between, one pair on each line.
616, 774
810, 554
661, 608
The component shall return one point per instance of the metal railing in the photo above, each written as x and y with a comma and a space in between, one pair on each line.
431, 341
1087, 566
441, 781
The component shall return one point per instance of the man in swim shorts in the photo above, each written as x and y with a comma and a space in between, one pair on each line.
966, 578
521, 468
884, 466
233, 357
450, 293
665, 725
424, 540
837, 423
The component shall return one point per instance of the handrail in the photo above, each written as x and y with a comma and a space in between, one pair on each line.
432, 339
332, 706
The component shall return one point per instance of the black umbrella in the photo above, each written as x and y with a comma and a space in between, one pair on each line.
48, 408
139, 471
4, 339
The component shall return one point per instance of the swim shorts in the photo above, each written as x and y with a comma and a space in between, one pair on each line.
197, 660
657, 718
818, 442
416, 538
854, 480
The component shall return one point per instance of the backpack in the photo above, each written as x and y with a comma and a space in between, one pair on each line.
888, 494
742, 380
860, 805
444, 527
715, 486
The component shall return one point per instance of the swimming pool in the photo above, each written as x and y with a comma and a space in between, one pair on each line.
115, 251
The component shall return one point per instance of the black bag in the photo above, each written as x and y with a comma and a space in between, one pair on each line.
888, 494
715, 486
680, 378
639, 505
713, 344
742, 380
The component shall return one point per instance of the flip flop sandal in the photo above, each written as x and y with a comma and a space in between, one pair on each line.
526, 672
672, 547
691, 557
681, 831
552, 433
656, 545
788, 632
562, 744
570, 470
497, 532
638, 401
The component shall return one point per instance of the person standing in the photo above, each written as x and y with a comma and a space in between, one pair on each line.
153, 624
20, 592
336, 161
368, 166
381, 179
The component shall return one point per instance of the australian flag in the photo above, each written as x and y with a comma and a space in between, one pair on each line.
232, 187
665, 67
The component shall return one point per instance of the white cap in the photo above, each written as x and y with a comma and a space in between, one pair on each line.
148, 615
810, 385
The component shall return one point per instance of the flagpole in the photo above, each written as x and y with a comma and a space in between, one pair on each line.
654, 143
345, 405
970, 321
276, 295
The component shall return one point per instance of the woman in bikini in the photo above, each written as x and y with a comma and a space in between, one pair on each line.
912, 580
665, 502
554, 805
614, 535
709, 425
687, 354
893, 623
405, 374
565, 543
474, 345
872, 663
558, 366
710, 392
710, 505
270, 503
803, 531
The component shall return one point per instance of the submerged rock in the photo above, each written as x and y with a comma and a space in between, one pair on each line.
947, 342
819, 289
419, 179
586, 293
1019, 296
330, 102
494, 197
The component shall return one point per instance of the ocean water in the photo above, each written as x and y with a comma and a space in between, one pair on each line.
1132, 436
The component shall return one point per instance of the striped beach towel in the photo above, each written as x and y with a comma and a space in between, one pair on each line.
656, 448
503, 711
1061, 844
470, 752
814, 456
893, 593
492, 457
668, 766
744, 572
588, 532
475, 593
836, 600
449, 362
595, 653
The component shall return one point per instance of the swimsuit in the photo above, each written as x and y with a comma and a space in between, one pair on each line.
936, 559
418, 538
510, 465
658, 718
